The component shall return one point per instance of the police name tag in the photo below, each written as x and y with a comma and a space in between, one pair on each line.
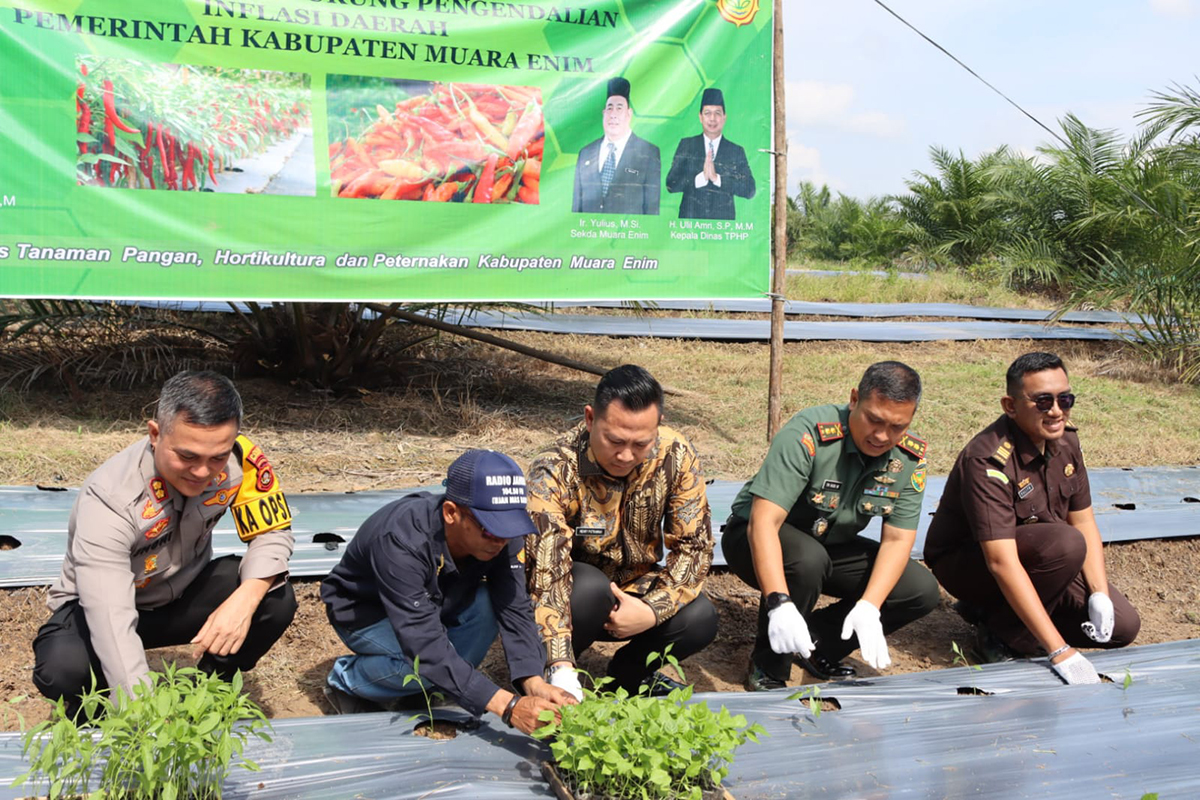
590, 531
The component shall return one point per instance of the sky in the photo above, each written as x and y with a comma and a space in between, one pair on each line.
866, 97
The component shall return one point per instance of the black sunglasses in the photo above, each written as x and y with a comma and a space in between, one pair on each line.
1044, 402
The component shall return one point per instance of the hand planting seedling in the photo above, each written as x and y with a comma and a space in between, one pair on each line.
652, 748
175, 738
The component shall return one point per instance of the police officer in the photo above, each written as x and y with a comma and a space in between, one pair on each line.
1015, 538
139, 571
434, 577
794, 531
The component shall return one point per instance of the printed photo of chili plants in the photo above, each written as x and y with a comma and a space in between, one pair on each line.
441, 142
185, 128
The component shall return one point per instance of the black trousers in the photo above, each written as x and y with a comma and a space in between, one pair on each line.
64, 659
811, 569
689, 630
1052, 553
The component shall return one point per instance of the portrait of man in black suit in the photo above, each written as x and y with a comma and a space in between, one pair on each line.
710, 169
618, 173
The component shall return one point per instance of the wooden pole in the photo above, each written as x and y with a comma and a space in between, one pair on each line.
779, 239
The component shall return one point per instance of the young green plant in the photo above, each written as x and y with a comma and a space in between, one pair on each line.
810, 695
960, 658
175, 737
429, 696
652, 748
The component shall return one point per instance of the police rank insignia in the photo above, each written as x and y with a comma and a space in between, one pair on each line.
810, 446
895, 465
820, 526
829, 431
158, 488
1069, 470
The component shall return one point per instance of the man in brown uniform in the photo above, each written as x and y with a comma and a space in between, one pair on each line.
606, 500
139, 571
1015, 538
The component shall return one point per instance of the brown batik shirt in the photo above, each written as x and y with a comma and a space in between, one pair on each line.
618, 525
1001, 480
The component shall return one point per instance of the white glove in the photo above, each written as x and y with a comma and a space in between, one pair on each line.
1076, 669
788, 631
1101, 617
567, 679
863, 620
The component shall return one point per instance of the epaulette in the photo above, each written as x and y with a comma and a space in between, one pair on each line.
912, 445
1003, 453
830, 431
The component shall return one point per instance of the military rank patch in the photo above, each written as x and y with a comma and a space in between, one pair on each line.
810, 446
829, 431
918, 477
911, 444
150, 511
1069, 470
157, 528
998, 475
1003, 453
158, 489
150, 564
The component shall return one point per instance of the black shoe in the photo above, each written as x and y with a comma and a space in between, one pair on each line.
759, 681
990, 649
824, 668
346, 703
660, 685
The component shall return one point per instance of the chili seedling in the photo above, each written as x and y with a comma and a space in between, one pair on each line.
960, 658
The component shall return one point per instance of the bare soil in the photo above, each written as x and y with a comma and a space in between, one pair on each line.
462, 395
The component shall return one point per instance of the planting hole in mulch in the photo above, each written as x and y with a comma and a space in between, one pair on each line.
1104, 678
330, 540
826, 703
9, 542
974, 691
564, 788
438, 730
1125, 506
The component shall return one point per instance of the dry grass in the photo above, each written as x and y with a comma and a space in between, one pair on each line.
465, 395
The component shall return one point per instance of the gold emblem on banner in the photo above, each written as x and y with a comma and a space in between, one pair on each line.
739, 12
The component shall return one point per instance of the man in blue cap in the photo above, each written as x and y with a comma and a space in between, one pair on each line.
619, 173
436, 577
708, 168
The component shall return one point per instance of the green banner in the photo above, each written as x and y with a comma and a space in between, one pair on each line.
539, 150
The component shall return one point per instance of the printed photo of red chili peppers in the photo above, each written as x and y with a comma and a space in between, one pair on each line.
440, 142
186, 128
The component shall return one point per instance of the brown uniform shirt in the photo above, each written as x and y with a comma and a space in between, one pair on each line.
619, 526
134, 542
999, 481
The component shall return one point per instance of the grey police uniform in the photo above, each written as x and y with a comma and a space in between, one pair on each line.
135, 544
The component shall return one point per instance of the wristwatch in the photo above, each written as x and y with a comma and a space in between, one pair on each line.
776, 599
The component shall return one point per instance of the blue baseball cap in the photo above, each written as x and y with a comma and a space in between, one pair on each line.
493, 487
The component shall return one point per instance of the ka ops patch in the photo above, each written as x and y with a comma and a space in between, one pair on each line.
260, 505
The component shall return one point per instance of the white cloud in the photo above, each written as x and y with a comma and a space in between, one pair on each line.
804, 164
1175, 9
832, 105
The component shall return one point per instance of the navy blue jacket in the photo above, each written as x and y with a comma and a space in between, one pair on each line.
398, 567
